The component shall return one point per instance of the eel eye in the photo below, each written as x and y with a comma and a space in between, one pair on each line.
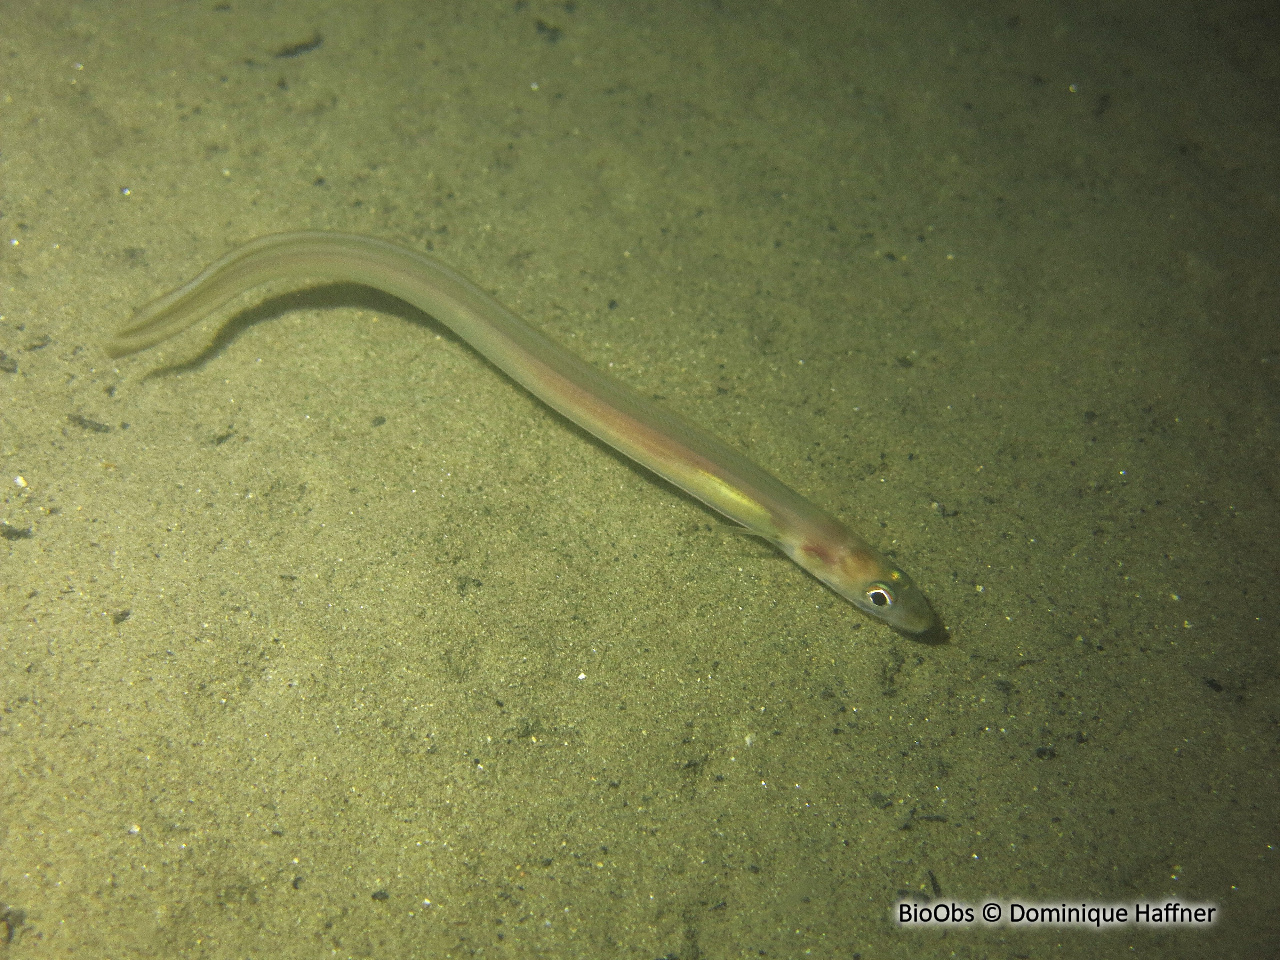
878, 595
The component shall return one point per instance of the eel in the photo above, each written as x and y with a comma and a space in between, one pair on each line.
675, 450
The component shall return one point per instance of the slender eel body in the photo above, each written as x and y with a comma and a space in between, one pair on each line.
693, 460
